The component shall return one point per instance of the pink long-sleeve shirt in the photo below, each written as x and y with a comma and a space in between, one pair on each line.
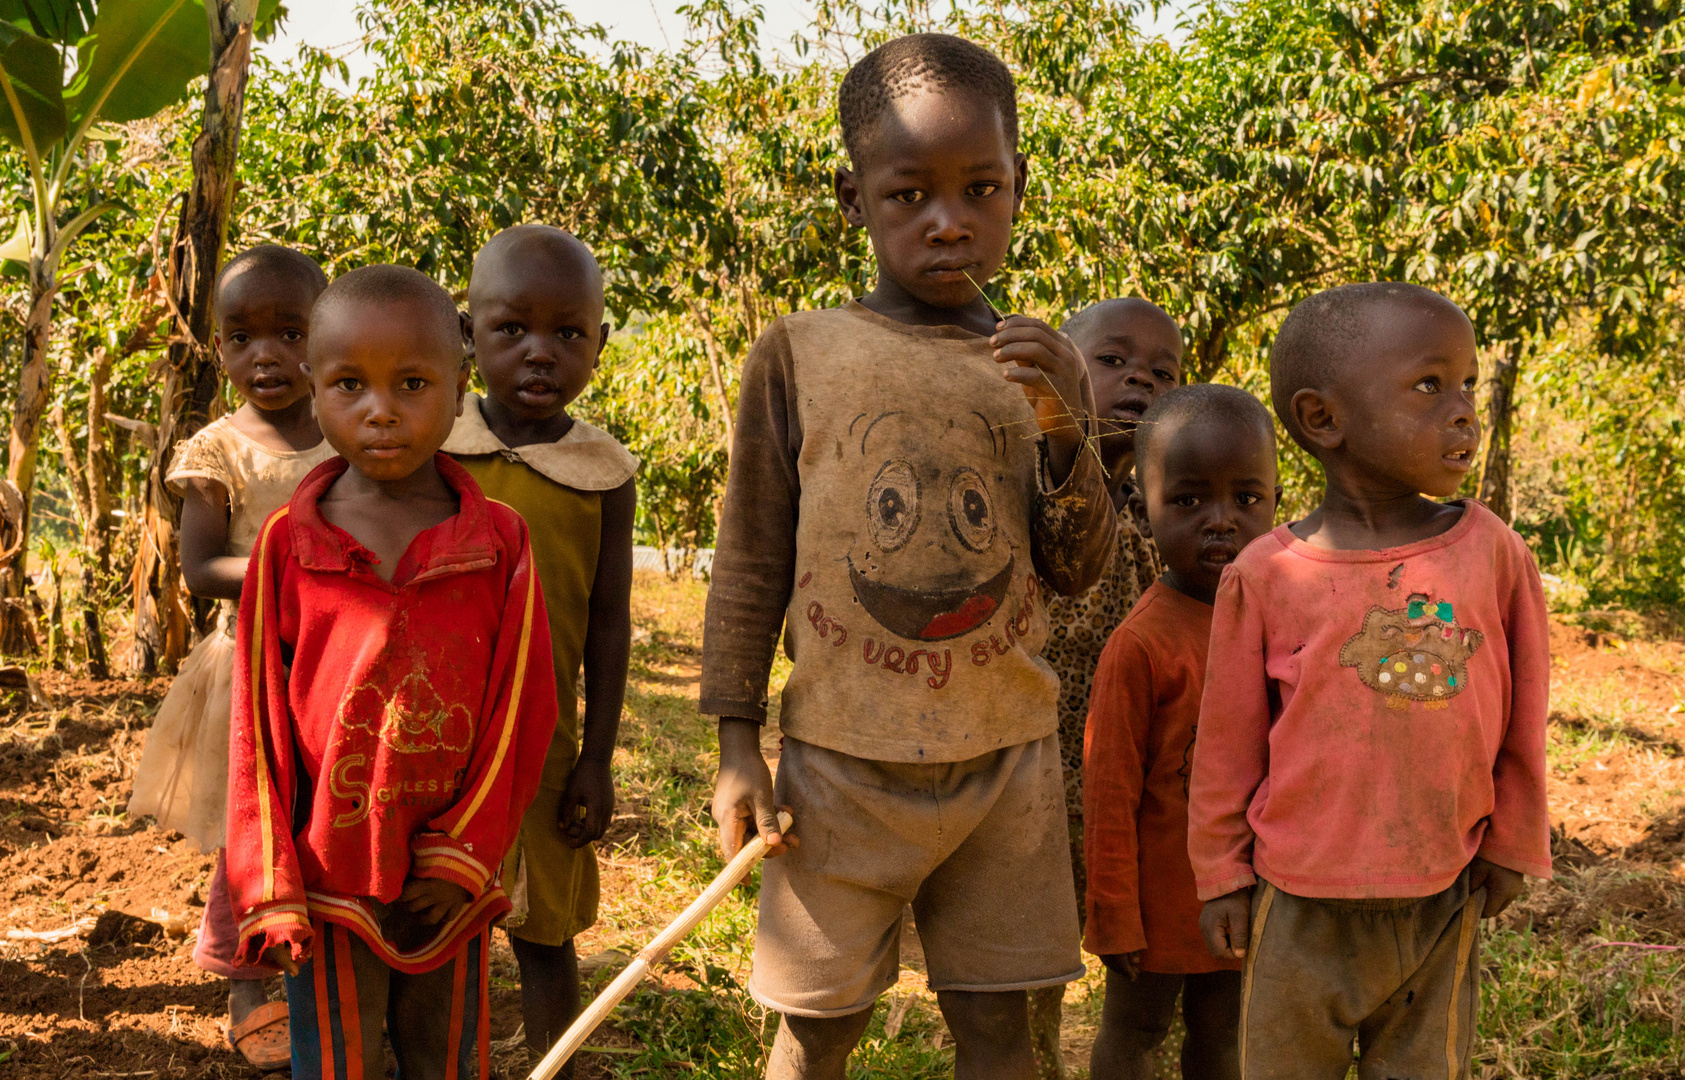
1373, 720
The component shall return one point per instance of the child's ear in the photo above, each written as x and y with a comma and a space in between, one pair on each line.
848, 197
1275, 508
1317, 422
602, 342
1020, 180
466, 322
461, 385
1138, 513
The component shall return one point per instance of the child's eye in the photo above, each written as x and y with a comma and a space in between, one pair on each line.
1187, 502
1164, 376
292, 335
1429, 385
415, 382
568, 333
908, 198
1469, 384
1248, 498
1110, 359
983, 191
239, 337
349, 385
512, 329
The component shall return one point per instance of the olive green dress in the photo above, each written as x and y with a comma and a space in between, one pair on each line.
558, 488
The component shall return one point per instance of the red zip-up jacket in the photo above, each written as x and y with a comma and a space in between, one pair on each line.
383, 730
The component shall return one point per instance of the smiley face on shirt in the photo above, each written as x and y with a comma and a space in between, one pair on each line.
929, 562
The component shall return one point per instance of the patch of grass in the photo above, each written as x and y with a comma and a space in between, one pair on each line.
1554, 1009
1574, 740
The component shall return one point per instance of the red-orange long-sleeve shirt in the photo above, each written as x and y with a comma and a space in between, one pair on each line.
383, 730
1142, 717
1373, 720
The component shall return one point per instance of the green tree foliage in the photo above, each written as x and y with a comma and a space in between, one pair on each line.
1522, 156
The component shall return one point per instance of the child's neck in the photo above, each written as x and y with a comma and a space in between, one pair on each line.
289, 428
515, 431
893, 302
1206, 596
1370, 521
385, 516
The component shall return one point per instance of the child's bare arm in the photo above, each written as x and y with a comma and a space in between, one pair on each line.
588, 803
743, 801
206, 566
1054, 376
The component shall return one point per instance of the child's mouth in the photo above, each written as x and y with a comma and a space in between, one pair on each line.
1218, 554
1461, 460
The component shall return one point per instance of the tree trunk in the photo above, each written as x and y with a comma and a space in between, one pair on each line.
1211, 352
98, 537
1500, 411
191, 378
35, 387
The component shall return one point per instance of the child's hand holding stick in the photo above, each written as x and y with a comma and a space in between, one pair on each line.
598, 1010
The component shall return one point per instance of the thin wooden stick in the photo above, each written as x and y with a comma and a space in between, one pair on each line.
652, 953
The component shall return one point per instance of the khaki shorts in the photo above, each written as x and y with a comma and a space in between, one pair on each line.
977, 847
1400, 976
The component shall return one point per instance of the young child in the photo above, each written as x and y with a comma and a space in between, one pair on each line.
1207, 471
231, 475
393, 700
535, 327
1372, 737
1134, 353
905, 472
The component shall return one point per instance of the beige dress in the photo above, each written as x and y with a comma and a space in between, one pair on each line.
182, 779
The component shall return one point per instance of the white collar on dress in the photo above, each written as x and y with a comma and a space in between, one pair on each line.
586, 458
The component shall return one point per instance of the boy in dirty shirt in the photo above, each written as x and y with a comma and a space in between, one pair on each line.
905, 468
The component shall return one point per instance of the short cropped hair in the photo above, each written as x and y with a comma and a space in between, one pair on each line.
1082, 322
284, 262
916, 62
385, 283
1323, 333
1230, 406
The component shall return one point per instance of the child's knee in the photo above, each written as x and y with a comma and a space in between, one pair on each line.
1211, 1004
991, 1017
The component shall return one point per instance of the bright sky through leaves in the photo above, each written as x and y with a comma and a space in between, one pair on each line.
330, 24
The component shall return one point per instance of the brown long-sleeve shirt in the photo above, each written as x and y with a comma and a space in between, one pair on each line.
889, 504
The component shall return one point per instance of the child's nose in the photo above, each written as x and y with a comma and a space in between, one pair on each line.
947, 224
382, 411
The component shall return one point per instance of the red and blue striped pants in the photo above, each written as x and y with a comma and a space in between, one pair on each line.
439, 1021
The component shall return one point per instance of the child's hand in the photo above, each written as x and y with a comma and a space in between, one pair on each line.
1130, 962
587, 804
743, 791
281, 956
1226, 924
433, 900
1502, 886
1052, 372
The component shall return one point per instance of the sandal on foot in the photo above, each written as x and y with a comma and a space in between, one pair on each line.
263, 1037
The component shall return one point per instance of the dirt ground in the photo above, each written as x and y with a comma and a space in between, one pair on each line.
123, 998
